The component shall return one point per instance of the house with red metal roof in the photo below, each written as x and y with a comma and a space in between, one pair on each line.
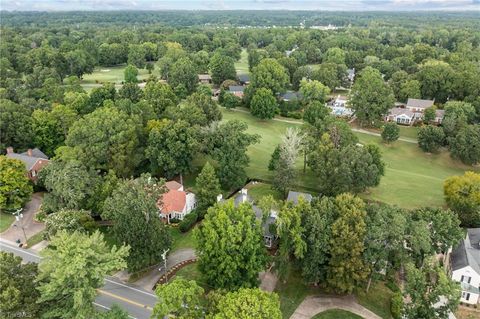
176, 202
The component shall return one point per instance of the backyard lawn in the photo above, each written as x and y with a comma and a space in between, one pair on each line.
181, 240
412, 178
242, 65
336, 314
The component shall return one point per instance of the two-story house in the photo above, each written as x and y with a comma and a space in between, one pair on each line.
34, 160
465, 266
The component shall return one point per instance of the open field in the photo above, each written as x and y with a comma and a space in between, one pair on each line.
242, 65
336, 314
412, 178
112, 74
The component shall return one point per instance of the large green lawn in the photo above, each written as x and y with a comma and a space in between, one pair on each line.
242, 65
336, 314
112, 74
412, 178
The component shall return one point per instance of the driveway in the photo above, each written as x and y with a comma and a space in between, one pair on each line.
313, 305
148, 281
31, 227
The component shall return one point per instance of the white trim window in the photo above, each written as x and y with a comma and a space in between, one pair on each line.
466, 279
465, 295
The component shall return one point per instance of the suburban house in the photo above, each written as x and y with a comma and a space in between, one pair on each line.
407, 114
268, 233
339, 106
295, 197
244, 79
176, 202
465, 266
236, 90
205, 78
34, 160
351, 75
400, 116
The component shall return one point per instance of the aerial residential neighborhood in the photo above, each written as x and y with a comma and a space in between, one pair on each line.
240, 159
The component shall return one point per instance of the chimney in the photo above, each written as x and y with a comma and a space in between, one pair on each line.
219, 198
29, 152
9, 150
244, 192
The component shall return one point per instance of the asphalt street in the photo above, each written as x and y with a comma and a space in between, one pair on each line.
136, 301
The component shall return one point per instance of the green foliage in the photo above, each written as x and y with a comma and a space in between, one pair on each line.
188, 221
462, 194
19, 287
390, 132
70, 221
436, 80
136, 56
371, 97
313, 91
409, 89
105, 139
15, 187
114, 313
269, 74
329, 74
208, 188
183, 72
160, 96
130, 91
430, 138
274, 159
15, 125
179, 298
230, 246
429, 115
230, 101
315, 113
131, 74
334, 55
248, 303
171, 147
230, 143
263, 104
133, 209
457, 116
466, 145
396, 305
346, 268
72, 268
208, 106
222, 68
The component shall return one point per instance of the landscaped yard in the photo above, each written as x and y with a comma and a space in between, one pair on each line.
377, 299
181, 240
5, 221
242, 65
259, 190
412, 178
336, 314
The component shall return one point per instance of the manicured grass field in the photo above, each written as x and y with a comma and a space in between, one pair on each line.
112, 74
412, 178
181, 240
242, 65
5, 221
259, 190
336, 314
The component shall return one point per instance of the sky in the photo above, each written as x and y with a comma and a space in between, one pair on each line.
321, 5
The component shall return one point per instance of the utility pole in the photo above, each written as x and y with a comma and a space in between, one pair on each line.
19, 219
164, 256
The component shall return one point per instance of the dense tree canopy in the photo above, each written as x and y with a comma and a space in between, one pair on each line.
462, 194
15, 187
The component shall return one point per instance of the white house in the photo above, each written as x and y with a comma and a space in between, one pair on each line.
176, 203
339, 106
400, 116
418, 107
465, 266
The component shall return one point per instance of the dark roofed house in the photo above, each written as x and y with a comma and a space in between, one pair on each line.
205, 78
236, 90
289, 96
465, 266
34, 160
268, 234
244, 79
295, 197
418, 106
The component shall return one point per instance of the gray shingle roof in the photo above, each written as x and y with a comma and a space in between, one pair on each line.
29, 161
418, 103
236, 88
36, 153
295, 197
467, 253
243, 198
244, 78
395, 111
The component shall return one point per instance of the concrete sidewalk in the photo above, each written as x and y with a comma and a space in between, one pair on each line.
313, 305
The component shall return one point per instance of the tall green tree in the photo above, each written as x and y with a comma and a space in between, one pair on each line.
430, 138
179, 298
230, 143
136, 55
183, 72
346, 267
466, 145
15, 187
130, 74
334, 55
247, 303
72, 268
313, 91
390, 132
222, 68
436, 80
19, 287
15, 125
269, 74
371, 97
462, 194
263, 104
208, 188
106, 139
160, 96
171, 147
133, 209
230, 246
69, 220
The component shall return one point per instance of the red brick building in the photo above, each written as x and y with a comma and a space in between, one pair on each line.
34, 161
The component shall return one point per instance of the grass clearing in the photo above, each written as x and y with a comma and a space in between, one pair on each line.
5, 221
113, 74
181, 240
412, 178
336, 314
35, 239
377, 300
242, 65
259, 190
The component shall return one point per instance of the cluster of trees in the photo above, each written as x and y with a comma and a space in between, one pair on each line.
462, 194
15, 188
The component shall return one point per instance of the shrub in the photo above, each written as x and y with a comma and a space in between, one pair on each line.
391, 132
392, 286
430, 138
174, 220
396, 305
188, 221
295, 115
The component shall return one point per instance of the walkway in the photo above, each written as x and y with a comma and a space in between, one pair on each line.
31, 227
313, 305
358, 130
148, 281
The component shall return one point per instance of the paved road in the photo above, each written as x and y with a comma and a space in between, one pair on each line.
136, 301
359, 130
313, 305
31, 227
